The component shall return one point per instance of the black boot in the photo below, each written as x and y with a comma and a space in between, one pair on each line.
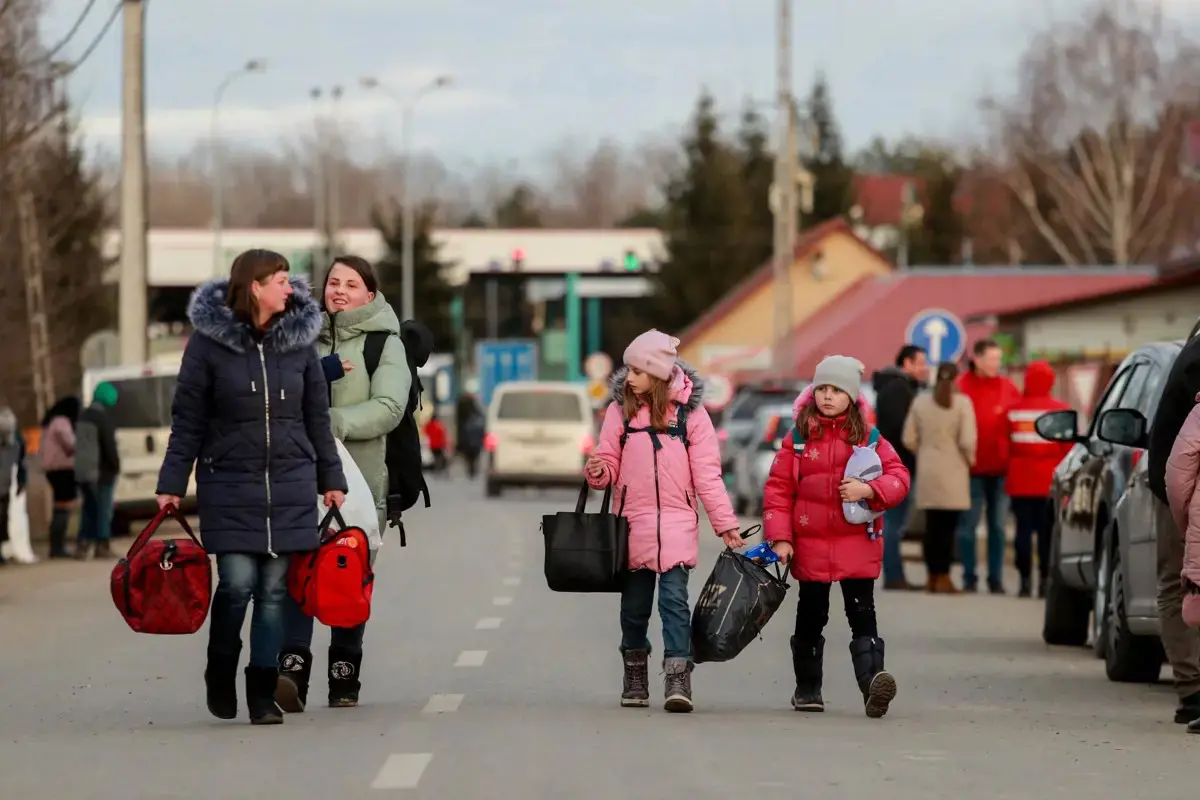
1026, 588
220, 682
677, 685
295, 667
344, 669
635, 692
808, 660
58, 533
877, 685
260, 695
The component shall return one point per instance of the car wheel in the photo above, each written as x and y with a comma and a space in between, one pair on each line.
1128, 658
1101, 606
1067, 614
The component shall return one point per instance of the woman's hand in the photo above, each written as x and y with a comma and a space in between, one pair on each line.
334, 499
733, 538
347, 366
783, 550
165, 500
852, 490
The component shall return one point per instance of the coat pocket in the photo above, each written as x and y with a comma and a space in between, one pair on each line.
300, 437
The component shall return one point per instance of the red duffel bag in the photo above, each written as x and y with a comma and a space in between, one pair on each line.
165, 585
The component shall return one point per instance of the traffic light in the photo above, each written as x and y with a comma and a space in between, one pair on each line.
632, 262
518, 259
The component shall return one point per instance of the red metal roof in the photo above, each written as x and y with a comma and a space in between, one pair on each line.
881, 197
869, 321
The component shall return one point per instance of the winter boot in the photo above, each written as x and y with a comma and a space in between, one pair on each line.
1188, 709
1026, 588
85, 550
344, 669
636, 691
808, 661
220, 682
104, 549
878, 686
58, 533
677, 685
295, 667
260, 695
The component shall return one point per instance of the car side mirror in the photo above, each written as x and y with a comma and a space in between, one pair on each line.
1058, 426
1123, 426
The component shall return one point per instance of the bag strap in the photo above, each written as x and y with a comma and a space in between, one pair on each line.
373, 350
873, 437
333, 514
152, 526
680, 428
583, 496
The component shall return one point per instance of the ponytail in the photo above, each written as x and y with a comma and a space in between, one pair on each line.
943, 389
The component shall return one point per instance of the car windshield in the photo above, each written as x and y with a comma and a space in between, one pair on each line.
540, 406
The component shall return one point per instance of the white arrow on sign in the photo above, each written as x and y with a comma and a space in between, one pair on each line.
937, 330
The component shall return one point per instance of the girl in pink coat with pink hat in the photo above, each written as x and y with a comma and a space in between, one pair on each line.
659, 452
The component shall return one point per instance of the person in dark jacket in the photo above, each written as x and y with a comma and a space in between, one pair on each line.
13, 475
97, 467
1181, 643
895, 388
470, 433
251, 413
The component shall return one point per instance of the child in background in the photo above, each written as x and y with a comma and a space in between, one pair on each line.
805, 523
659, 452
435, 437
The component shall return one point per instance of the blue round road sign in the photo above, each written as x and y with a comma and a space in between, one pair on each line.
942, 334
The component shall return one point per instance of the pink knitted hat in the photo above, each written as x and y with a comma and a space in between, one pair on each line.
654, 353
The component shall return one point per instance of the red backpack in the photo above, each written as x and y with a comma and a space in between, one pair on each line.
163, 586
334, 583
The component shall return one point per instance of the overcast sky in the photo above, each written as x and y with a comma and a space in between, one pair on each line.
529, 72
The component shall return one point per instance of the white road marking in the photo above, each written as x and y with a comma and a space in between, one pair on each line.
402, 771
488, 624
502, 601
514, 565
443, 703
471, 658
512, 581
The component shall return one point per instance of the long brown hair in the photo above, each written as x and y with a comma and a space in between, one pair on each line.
855, 426
943, 389
659, 402
249, 268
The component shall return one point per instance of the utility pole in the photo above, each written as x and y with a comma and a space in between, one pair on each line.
30, 235
320, 192
784, 199
132, 305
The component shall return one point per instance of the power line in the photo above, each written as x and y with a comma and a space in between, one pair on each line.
91, 48
83, 15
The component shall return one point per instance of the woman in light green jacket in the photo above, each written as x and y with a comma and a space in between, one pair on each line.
364, 409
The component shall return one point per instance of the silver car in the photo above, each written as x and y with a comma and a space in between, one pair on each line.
752, 463
737, 423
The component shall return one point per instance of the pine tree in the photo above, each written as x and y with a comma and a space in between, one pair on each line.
758, 173
832, 193
519, 209
431, 291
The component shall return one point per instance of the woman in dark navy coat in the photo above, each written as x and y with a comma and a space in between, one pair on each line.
251, 414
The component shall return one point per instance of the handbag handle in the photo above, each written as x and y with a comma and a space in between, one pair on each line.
169, 510
583, 495
334, 513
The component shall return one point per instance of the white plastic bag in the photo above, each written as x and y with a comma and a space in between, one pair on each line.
19, 546
359, 510
865, 465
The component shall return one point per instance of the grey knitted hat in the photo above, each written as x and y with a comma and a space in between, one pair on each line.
842, 372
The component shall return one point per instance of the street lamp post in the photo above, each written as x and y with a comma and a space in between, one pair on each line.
407, 290
218, 188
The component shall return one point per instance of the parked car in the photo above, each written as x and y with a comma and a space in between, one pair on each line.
1085, 492
752, 463
539, 434
737, 427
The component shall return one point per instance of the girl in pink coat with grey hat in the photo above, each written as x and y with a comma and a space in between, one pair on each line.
659, 452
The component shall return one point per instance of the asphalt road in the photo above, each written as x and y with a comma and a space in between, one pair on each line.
481, 683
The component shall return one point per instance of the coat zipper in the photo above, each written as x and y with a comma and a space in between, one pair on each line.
658, 510
262, 357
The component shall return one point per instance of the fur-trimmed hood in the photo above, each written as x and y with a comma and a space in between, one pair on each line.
687, 387
297, 328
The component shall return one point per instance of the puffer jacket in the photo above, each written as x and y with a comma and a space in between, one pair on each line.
1032, 459
254, 409
658, 482
57, 449
365, 409
801, 504
1182, 470
991, 398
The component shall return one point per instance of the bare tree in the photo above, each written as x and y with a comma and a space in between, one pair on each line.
1091, 144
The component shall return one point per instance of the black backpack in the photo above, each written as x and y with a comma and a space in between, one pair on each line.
406, 480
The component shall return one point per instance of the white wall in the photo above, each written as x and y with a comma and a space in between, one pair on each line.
1117, 326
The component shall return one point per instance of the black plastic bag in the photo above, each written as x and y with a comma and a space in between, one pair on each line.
586, 552
738, 600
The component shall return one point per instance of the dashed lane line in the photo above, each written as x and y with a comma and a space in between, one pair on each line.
502, 601
488, 624
402, 771
443, 704
471, 658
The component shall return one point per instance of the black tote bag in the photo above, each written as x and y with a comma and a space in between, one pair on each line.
586, 552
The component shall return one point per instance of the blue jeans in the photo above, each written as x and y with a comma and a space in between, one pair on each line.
637, 602
895, 525
241, 577
298, 628
987, 491
96, 515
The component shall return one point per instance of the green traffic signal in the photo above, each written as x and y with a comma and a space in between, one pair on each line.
632, 262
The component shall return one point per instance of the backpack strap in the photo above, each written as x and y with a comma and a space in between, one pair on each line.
373, 350
873, 437
677, 428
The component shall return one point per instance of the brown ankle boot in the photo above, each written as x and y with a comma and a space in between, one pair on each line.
946, 585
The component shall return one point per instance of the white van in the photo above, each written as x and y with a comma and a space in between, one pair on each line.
142, 418
538, 434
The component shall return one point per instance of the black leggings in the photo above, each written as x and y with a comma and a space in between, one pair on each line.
812, 613
940, 528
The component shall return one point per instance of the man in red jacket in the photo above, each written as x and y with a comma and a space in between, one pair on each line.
991, 395
1031, 464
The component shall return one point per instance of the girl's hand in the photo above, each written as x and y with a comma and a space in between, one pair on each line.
595, 468
853, 490
733, 539
783, 550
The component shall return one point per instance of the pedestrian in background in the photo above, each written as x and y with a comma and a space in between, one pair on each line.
658, 450
895, 389
251, 414
435, 437
991, 395
471, 429
1031, 464
940, 429
12, 468
97, 468
364, 409
56, 452
804, 521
